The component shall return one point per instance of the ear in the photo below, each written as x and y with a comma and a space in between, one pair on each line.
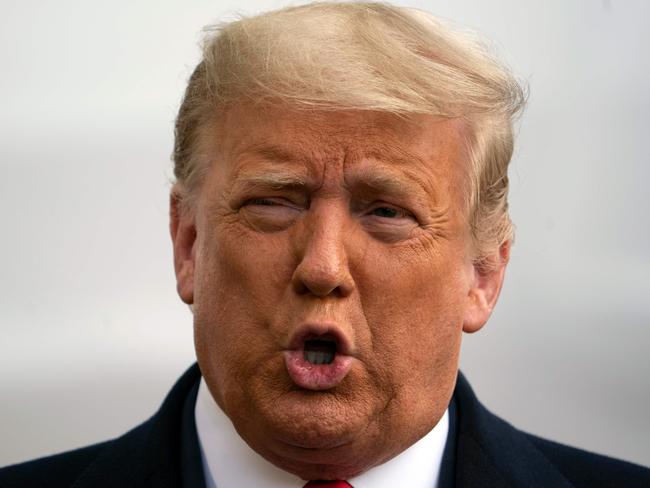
485, 288
183, 231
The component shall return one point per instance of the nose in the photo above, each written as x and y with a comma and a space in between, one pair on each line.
323, 267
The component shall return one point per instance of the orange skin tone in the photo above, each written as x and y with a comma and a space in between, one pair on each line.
353, 219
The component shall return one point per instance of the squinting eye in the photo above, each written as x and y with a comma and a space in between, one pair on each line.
260, 201
389, 213
386, 212
388, 223
269, 214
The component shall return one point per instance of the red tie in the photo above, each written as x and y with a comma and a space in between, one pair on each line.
328, 484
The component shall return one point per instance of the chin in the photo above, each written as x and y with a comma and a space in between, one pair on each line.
341, 462
313, 471
317, 421
314, 435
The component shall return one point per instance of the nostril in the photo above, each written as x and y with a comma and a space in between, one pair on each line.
319, 289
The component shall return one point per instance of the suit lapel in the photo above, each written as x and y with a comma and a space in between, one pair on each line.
492, 453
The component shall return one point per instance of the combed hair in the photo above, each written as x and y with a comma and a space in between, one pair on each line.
361, 56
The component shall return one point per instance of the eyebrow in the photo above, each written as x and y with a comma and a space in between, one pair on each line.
368, 180
267, 173
382, 180
269, 179
382, 176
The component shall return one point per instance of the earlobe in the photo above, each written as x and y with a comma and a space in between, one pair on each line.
485, 288
183, 234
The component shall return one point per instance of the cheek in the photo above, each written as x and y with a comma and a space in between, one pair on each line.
415, 306
239, 267
238, 281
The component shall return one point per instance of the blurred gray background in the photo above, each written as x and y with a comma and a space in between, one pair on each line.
92, 332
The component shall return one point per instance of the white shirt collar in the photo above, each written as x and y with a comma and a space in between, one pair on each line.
228, 462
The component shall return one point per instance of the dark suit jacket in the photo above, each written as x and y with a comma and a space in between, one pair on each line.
482, 451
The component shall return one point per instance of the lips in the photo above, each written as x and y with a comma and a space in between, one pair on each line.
318, 357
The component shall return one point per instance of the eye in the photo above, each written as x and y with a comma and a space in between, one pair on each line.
388, 223
388, 212
261, 201
278, 202
270, 214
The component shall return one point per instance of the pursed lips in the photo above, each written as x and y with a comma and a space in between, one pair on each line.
318, 357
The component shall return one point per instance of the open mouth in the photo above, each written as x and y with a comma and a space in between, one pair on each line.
319, 351
318, 357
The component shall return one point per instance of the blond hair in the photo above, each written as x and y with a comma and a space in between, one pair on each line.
361, 56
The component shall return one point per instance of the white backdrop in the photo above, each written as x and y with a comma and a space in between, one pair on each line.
92, 333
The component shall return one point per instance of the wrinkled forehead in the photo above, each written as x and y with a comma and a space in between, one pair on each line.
318, 137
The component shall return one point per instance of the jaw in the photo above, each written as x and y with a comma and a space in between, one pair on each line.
341, 452
336, 433
318, 449
312, 434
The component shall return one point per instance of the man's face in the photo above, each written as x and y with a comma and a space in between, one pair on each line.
328, 262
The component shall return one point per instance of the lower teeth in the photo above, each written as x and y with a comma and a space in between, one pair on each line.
319, 357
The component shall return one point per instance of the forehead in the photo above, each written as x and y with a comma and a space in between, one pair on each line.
311, 141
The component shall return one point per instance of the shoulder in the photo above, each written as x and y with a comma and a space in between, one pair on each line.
52, 471
584, 468
490, 446
116, 458
150, 454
